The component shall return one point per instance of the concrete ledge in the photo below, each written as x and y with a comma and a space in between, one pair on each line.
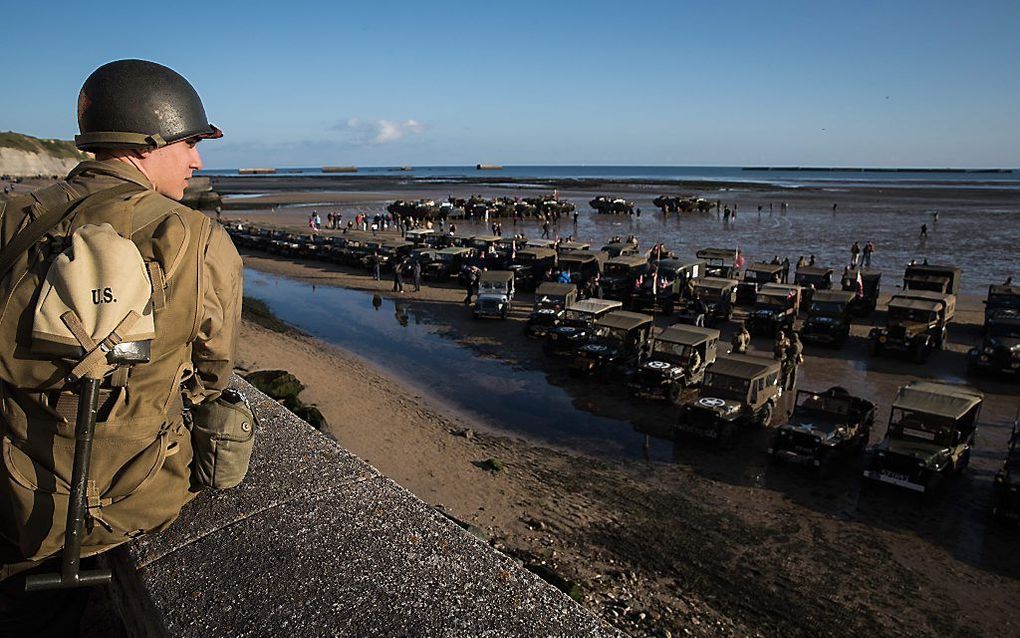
316, 542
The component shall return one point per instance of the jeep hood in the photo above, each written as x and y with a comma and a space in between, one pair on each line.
916, 449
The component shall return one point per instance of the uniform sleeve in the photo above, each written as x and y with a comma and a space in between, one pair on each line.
215, 347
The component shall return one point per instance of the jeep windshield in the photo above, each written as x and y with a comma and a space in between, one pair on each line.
618, 270
803, 279
612, 337
827, 308
492, 287
445, 257
671, 351
758, 276
1003, 302
725, 387
917, 426
911, 315
579, 316
775, 303
709, 294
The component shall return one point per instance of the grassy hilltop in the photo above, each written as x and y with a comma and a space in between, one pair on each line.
62, 149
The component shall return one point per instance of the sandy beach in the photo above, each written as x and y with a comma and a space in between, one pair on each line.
701, 543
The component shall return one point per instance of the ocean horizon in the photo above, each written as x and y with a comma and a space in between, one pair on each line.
786, 176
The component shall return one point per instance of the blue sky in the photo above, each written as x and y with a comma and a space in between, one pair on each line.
893, 83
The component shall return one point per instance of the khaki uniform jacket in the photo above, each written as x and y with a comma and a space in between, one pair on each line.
141, 445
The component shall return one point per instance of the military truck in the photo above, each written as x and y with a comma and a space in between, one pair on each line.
738, 391
811, 279
621, 249
1002, 303
719, 295
447, 263
581, 264
828, 320
824, 428
495, 294
929, 438
1006, 488
617, 342
567, 246
551, 301
576, 326
866, 284
943, 279
662, 286
775, 309
755, 276
531, 264
719, 262
619, 275
999, 351
916, 324
678, 358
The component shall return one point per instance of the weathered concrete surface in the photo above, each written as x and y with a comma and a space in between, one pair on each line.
316, 542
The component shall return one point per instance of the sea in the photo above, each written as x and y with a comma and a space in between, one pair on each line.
785, 176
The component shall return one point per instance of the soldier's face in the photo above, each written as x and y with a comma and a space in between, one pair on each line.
169, 168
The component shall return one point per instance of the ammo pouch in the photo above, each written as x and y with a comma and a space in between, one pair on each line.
222, 435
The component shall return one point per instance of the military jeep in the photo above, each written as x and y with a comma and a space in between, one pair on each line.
943, 279
824, 427
621, 249
551, 301
619, 275
828, 320
575, 328
678, 358
755, 276
662, 285
617, 342
581, 264
775, 309
531, 264
916, 324
719, 295
495, 294
929, 438
866, 291
811, 279
999, 351
738, 391
447, 263
719, 262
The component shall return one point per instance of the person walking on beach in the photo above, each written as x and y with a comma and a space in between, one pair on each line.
416, 273
868, 249
786, 270
398, 277
924, 231
855, 254
545, 230
794, 356
473, 277
375, 265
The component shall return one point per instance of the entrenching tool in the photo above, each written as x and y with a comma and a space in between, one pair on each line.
113, 353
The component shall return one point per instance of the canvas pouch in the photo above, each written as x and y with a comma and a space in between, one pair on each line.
223, 436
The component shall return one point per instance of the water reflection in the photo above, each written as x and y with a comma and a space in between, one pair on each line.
505, 397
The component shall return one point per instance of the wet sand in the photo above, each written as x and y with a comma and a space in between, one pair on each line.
706, 543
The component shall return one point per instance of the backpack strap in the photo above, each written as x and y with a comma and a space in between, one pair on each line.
50, 218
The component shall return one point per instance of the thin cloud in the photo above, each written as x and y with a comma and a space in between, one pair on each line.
375, 132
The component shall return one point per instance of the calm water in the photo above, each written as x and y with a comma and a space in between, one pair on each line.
399, 337
778, 176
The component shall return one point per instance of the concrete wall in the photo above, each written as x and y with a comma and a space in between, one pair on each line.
316, 542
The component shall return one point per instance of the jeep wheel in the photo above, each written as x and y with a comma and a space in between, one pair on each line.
765, 416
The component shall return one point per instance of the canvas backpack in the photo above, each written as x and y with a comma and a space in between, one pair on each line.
96, 277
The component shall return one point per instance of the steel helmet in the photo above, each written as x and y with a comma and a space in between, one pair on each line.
139, 104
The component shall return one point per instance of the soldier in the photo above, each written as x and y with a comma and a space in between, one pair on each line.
416, 273
793, 357
143, 122
741, 340
779, 348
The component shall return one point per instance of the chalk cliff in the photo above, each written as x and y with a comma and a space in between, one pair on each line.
26, 156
